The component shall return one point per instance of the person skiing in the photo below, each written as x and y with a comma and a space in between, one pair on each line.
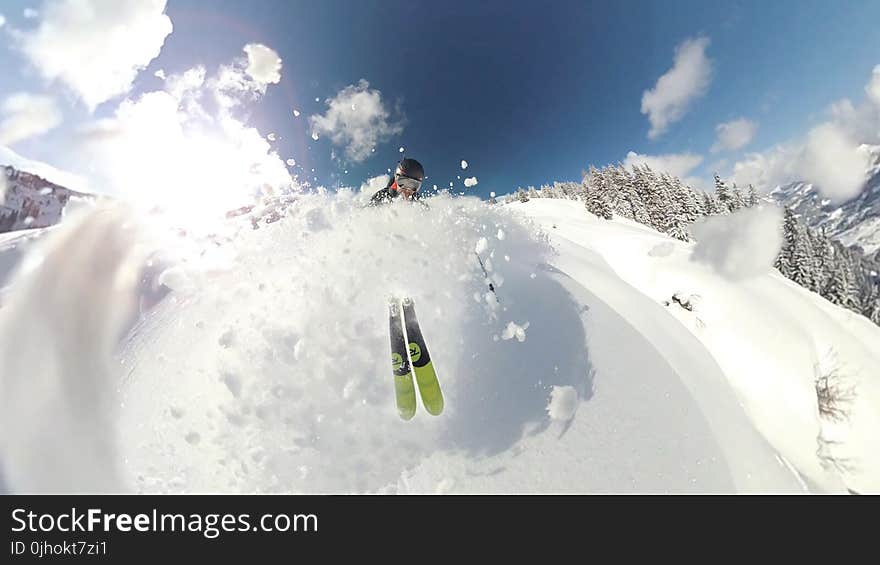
406, 182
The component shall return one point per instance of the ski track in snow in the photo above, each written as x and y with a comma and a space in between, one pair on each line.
269, 370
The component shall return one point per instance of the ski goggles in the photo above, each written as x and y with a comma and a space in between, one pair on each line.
408, 183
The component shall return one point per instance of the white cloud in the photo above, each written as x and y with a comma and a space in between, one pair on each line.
734, 135
767, 169
30, 13
873, 87
832, 155
264, 64
470, 181
375, 183
96, 47
27, 115
741, 245
356, 120
179, 85
168, 149
2, 20
676, 164
719, 165
675, 91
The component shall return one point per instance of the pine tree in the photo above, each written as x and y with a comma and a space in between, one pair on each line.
722, 194
637, 208
803, 261
622, 193
711, 205
842, 289
752, 199
688, 203
823, 255
872, 310
652, 192
594, 198
676, 216
597, 205
737, 200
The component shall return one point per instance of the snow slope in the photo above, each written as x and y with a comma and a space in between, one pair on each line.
767, 335
266, 369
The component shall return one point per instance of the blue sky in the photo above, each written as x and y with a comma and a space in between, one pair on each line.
526, 93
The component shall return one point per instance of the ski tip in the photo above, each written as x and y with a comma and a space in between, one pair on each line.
406, 414
434, 407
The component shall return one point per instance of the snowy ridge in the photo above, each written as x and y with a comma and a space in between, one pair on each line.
268, 371
31, 201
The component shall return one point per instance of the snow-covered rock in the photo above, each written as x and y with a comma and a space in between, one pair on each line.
31, 202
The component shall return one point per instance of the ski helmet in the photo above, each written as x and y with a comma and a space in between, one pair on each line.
409, 169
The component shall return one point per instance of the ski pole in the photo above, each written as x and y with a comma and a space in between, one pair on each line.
491, 286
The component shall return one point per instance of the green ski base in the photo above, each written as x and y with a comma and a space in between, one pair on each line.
426, 376
404, 389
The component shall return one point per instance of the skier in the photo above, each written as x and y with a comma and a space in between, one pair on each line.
407, 181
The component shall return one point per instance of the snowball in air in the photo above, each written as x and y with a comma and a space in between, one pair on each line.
515, 330
563, 403
463, 164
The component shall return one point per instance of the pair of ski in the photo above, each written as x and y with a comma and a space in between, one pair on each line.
409, 356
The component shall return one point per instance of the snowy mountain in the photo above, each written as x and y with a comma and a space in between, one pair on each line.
32, 202
853, 223
615, 360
